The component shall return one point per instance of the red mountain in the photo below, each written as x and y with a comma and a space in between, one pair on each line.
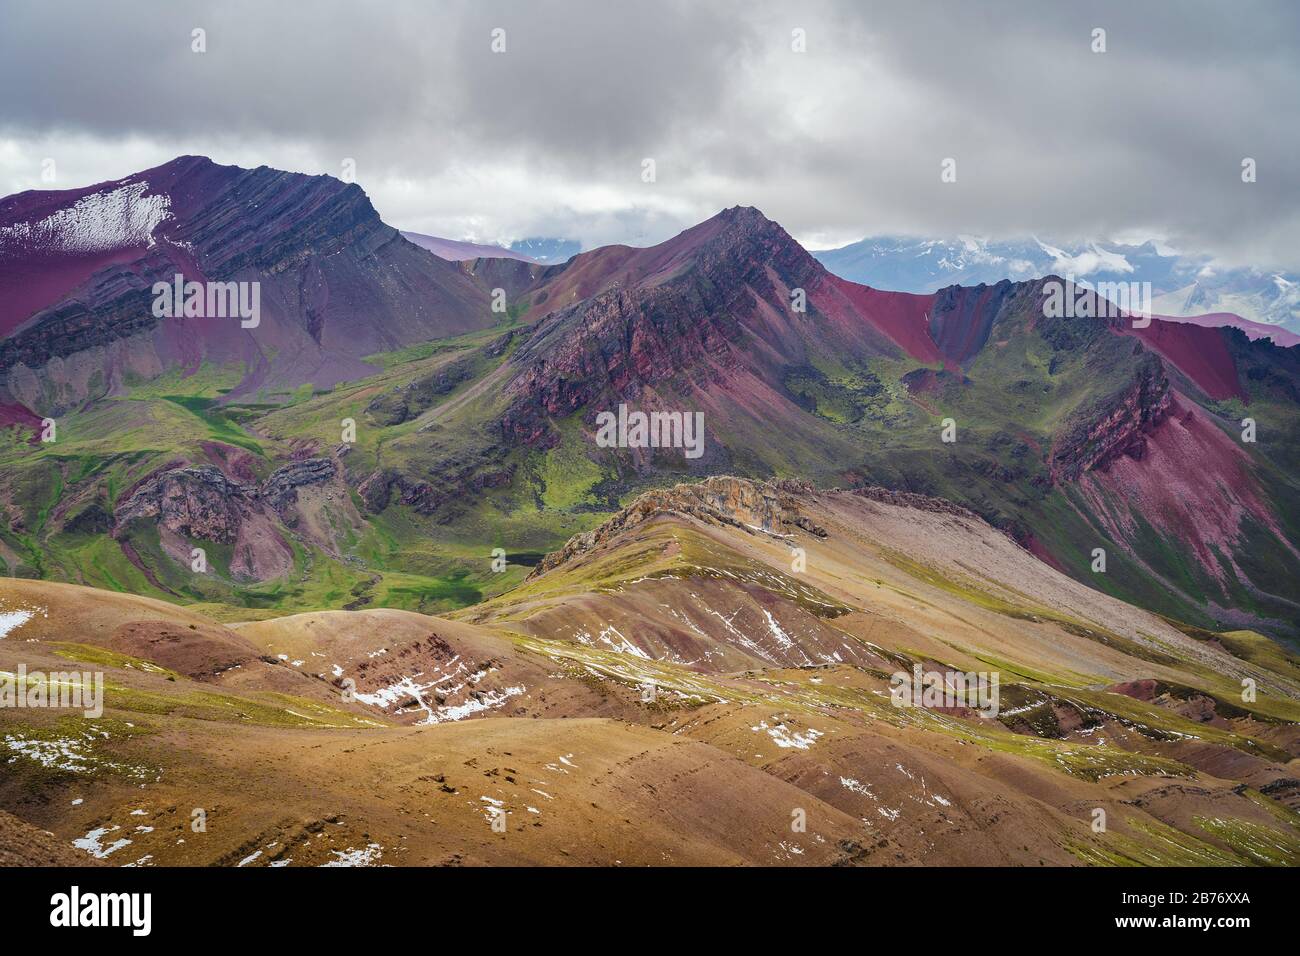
1071, 429
77, 268
723, 290
1073, 432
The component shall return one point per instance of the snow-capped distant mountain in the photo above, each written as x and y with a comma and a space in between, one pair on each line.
905, 264
540, 250
1181, 284
1264, 297
455, 250
549, 251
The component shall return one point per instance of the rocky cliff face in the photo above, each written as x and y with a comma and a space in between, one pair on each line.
754, 506
1119, 426
195, 505
681, 317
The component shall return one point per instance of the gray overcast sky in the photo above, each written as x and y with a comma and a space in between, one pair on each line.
548, 138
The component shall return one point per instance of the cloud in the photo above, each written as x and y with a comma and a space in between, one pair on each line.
1090, 260
547, 138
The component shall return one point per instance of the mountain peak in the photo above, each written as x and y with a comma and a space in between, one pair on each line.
746, 220
735, 231
78, 266
742, 213
186, 162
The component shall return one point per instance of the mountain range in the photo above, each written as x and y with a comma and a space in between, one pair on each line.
1183, 285
1069, 431
1100, 507
540, 250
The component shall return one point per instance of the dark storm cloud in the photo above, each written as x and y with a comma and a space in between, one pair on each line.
589, 81
845, 139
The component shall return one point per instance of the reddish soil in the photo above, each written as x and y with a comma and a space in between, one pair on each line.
1201, 506
11, 413
34, 281
1199, 353
901, 316
1253, 330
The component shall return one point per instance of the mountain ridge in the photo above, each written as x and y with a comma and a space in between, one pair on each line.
797, 373
337, 284
1185, 287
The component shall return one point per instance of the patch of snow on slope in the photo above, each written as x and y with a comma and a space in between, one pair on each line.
66, 753
490, 699
850, 783
782, 638
12, 620
404, 689
111, 219
741, 638
92, 845
366, 856
493, 808
623, 645
410, 689
784, 738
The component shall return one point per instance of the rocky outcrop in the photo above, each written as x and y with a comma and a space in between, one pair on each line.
908, 499
1117, 426
378, 489
753, 506
385, 485
408, 401
202, 504
193, 503
280, 490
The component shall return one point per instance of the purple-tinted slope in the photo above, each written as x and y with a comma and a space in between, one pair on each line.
336, 283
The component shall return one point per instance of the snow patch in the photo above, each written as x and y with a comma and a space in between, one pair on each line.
65, 753
366, 856
12, 620
783, 737
849, 783
111, 219
92, 845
